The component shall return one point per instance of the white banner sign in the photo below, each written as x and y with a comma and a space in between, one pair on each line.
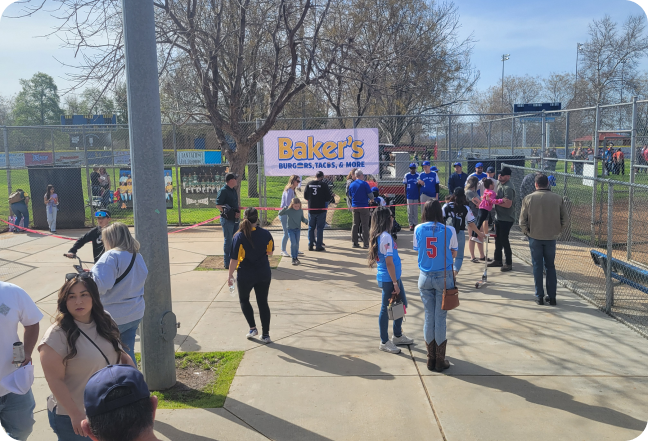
191, 158
17, 160
69, 158
335, 152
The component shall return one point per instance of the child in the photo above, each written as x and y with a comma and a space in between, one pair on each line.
488, 201
295, 215
379, 201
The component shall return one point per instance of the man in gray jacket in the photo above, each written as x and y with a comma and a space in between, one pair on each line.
542, 219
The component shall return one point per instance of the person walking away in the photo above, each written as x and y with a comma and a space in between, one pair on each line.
294, 217
104, 182
317, 194
350, 178
428, 183
608, 157
119, 406
51, 207
94, 182
410, 180
479, 174
504, 218
360, 193
473, 203
16, 401
18, 201
488, 201
578, 166
457, 179
286, 199
620, 162
83, 339
383, 253
227, 202
93, 236
542, 219
436, 245
461, 218
120, 274
250, 252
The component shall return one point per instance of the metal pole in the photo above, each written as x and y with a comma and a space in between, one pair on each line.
53, 150
147, 158
512, 137
594, 181
447, 167
609, 288
488, 137
177, 173
633, 154
566, 150
88, 182
472, 137
524, 126
543, 140
5, 137
259, 174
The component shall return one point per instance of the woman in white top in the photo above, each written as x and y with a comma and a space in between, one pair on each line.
83, 339
286, 199
120, 274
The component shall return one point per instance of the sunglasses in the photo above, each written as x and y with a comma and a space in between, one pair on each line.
101, 214
83, 275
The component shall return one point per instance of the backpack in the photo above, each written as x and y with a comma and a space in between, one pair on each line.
458, 216
16, 196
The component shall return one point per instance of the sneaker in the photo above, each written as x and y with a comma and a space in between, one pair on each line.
295, 262
506, 268
389, 347
402, 340
539, 301
320, 249
355, 245
284, 254
266, 339
253, 333
411, 227
301, 253
366, 247
549, 301
476, 239
495, 264
327, 226
310, 247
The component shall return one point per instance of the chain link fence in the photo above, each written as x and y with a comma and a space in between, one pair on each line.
603, 253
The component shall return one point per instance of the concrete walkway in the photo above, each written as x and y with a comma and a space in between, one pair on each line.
519, 371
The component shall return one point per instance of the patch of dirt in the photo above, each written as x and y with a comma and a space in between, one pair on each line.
191, 380
217, 263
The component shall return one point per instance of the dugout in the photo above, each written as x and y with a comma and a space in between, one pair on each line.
68, 185
495, 162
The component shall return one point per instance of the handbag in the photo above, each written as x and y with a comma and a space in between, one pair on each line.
396, 310
450, 295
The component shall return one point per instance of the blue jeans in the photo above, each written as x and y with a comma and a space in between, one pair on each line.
62, 427
543, 254
431, 287
229, 228
21, 212
284, 225
127, 333
294, 242
52, 211
461, 240
383, 317
316, 221
17, 414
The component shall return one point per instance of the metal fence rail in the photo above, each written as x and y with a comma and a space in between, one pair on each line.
603, 253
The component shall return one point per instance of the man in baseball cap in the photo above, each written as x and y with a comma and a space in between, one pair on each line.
504, 218
412, 194
119, 405
428, 182
458, 178
479, 173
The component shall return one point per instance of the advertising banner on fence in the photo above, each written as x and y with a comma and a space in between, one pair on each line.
16, 160
191, 158
71, 159
124, 193
39, 158
122, 157
100, 158
200, 185
335, 152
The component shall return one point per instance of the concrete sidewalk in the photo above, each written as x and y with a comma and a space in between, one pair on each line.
519, 371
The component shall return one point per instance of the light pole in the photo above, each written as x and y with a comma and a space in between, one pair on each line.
504, 58
579, 47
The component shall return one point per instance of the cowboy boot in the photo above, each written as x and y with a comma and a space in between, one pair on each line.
441, 362
431, 354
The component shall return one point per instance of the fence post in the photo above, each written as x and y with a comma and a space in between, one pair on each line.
177, 173
512, 135
566, 152
449, 145
5, 137
53, 150
543, 140
609, 289
633, 155
488, 137
594, 181
472, 137
87, 167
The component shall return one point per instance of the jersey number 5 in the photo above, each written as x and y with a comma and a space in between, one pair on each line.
431, 248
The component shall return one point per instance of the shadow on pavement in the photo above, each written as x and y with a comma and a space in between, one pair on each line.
178, 435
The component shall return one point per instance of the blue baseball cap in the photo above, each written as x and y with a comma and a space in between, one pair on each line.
457, 164
490, 170
434, 169
109, 378
426, 162
374, 189
413, 165
479, 164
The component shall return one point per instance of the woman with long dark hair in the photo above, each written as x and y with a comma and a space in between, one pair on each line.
383, 252
286, 199
83, 339
51, 206
458, 214
436, 244
251, 247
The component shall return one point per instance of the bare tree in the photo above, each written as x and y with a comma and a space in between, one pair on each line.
6, 110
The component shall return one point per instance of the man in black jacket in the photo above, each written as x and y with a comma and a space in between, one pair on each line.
317, 194
94, 236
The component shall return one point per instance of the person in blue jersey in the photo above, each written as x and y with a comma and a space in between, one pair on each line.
360, 194
457, 179
436, 245
251, 248
410, 181
383, 253
479, 174
428, 183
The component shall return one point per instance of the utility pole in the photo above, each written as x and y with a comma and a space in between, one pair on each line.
147, 160
504, 58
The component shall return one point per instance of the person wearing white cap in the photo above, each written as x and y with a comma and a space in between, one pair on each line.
16, 399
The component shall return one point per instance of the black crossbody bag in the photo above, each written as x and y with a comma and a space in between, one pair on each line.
130, 266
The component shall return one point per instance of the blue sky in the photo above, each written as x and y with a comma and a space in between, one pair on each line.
541, 37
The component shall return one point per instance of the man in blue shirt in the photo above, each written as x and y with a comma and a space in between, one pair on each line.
429, 183
479, 173
360, 194
412, 195
457, 179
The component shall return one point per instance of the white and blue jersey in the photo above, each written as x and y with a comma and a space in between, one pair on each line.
387, 248
411, 188
479, 177
429, 240
430, 180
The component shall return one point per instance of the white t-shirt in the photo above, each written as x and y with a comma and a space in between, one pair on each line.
15, 307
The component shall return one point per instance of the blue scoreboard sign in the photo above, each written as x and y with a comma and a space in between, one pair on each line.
536, 107
83, 120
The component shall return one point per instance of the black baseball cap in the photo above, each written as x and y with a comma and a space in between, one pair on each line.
319, 174
505, 171
109, 378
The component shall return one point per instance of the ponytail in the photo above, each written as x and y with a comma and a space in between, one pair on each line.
251, 217
381, 221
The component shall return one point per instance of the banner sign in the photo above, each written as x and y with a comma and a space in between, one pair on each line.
39, 158
213, 157
335, 152
16, 160
70, 158
101, 157
93, 140
122, 157
200, 185
191, 158
124, 193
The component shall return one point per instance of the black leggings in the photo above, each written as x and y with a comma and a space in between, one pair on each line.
482, 217
261, 289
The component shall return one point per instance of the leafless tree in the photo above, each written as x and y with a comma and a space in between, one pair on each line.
6, 110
